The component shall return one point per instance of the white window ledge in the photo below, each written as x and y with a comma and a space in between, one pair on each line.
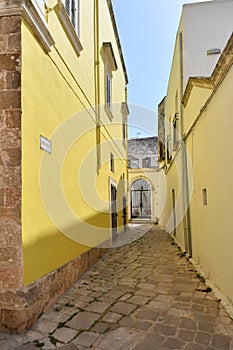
68, 27
108, 112
30, 14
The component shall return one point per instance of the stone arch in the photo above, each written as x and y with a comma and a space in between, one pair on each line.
140, 199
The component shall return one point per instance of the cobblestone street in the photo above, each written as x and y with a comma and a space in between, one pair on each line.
141, 296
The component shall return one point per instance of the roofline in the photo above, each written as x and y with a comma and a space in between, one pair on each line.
222, 67
110, 7
192, 4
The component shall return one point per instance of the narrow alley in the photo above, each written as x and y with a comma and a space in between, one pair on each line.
141, 296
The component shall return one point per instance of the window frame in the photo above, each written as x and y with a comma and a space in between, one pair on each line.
72, 8
175, 131
112, 162
108, 87
146, 162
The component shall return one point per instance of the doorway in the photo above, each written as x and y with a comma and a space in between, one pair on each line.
141, 200
114, 212
124, 216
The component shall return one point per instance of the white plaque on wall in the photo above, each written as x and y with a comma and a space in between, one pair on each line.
45, 144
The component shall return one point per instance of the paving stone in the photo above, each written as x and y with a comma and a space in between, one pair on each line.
164, 329
146, 286
206, 326
47, 344
187, 323
98, 306
86, 339
154, 339
140, 296
193, 347
83, 320
64, 335
123, 308
100, 327
114, 294
221, 341
186, 335
56, 316
202, 338
147, 314
126, 321
142, 325
96, 294
119, 339
159, 305
144, 346
112, 317
146, 293
173, 343
126, 296
44, 326
138, 300
179, 313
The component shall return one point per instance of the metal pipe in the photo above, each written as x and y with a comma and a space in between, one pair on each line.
185, 179
97, 82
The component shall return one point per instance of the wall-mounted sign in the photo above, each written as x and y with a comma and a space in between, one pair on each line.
45, 144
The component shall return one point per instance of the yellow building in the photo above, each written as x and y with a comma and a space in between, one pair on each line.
195, 157
63, 148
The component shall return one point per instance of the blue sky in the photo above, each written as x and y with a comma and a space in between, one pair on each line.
147, 31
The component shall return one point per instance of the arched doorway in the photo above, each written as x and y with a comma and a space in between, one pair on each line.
140, 200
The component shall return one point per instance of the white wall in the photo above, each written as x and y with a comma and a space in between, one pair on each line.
206, 25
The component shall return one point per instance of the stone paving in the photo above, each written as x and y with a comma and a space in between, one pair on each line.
142, 296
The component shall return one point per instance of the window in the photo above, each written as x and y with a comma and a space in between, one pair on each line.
108, 83
124, 130
169, 156
204, 196
175, 135
110, 66
146, 162
72, 9
161, 151
112, 162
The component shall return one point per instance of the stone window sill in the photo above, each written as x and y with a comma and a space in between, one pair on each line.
68, 27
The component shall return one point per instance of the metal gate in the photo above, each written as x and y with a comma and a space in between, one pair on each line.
114, 212
140, 200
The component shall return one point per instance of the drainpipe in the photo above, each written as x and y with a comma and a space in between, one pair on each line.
97, 82
185, 179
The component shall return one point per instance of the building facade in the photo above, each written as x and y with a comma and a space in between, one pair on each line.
195, 153
143, 178
63, 152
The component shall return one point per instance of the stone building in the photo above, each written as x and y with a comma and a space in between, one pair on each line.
196, 158
143, 152
143, 178
63, 148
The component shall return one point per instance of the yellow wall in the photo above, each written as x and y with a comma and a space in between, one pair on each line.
210, 147
55, 87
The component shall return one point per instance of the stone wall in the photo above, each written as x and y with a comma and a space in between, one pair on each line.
21, 307
143, 148
11, 271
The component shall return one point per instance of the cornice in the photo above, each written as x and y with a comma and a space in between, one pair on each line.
110, 7
68, 27
27, 11
222, 67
